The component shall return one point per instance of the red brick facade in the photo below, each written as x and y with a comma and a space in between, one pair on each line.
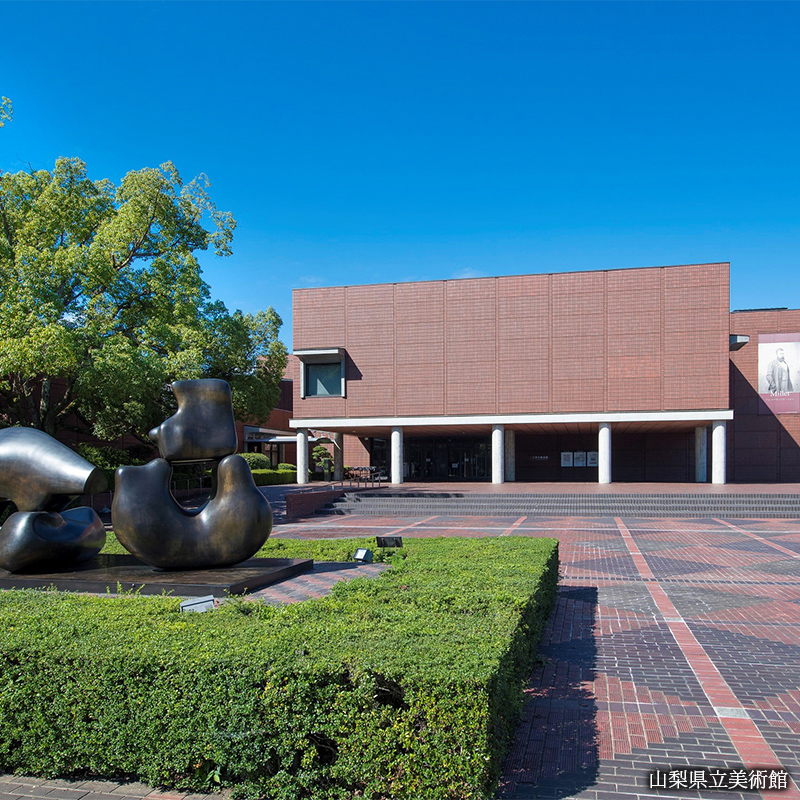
617, 342
652, 339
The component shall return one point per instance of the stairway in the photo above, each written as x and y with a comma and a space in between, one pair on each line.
426, 504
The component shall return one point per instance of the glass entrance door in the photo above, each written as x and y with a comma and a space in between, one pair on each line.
448, 458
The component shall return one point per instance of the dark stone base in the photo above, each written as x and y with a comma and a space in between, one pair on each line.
107, 573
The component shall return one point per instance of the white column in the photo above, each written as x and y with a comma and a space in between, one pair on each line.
511, 456
604, 453
700, 454
718, 451
338, 456
498, 454
397, 455
302, 455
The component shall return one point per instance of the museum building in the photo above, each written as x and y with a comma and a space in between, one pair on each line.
615, 375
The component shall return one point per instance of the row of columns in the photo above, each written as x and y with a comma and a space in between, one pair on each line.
504, 451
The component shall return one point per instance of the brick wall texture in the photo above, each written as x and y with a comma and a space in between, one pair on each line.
653, 339
761, 447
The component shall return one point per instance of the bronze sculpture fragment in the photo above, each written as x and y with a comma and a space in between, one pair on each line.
202, 428
152, 525
40, 476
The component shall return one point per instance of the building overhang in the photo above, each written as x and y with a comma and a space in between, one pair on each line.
268, 436
323, 355
287, 439
293, 440
736, 341
627, 421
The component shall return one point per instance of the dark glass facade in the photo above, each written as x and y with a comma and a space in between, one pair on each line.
431, 458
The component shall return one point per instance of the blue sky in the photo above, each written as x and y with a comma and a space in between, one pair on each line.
369, 142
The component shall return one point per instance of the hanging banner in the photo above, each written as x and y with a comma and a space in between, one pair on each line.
779, 373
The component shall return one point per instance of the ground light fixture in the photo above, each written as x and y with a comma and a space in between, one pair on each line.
364, 555
199, 604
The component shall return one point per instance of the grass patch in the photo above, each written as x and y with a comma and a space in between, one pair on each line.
404, 686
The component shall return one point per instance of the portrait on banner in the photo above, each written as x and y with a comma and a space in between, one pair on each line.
779, 373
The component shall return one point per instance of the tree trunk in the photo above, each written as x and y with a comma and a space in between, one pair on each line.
44, 403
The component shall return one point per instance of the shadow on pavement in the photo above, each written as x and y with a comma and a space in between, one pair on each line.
555, 751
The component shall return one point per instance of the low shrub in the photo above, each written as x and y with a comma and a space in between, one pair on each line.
272, 477
283, 467
404, 686
257, 460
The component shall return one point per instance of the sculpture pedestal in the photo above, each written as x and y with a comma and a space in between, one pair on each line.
106, 572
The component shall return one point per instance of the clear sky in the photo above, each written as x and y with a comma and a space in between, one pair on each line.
393, 141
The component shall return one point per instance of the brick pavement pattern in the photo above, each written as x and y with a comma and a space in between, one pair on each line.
673, 644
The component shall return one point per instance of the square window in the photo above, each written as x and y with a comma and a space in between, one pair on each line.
324, 380
323, 371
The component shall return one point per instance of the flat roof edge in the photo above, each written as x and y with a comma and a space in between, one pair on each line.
513, 275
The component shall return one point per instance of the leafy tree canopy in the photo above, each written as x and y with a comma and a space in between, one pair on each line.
102, 303
6, 111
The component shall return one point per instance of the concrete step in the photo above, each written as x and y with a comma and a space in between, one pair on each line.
387, 503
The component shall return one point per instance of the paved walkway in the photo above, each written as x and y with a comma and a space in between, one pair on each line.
675, 644
317, 583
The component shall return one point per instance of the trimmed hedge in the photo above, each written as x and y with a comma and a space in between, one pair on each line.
404, 686
272, 477
257, 460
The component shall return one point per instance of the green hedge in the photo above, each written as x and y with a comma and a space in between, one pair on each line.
404, 686
271, 477
257, 460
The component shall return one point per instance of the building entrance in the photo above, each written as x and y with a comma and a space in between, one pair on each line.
448, 458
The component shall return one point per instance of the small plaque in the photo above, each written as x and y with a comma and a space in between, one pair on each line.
579, 458
591, 458
566, 459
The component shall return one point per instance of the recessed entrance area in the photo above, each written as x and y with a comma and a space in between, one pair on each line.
636, 457
431, 458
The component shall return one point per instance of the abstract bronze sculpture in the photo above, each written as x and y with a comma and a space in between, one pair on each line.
40, 476
202, 428
234, 522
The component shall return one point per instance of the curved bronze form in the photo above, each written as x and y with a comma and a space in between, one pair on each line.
152, 525
38, 473
40, 476
202, 428
32, 541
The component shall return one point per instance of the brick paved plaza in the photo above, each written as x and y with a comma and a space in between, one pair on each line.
673, 644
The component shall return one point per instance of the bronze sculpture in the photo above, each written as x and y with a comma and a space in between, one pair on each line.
38, 473
40, 476
202, 428
234, 522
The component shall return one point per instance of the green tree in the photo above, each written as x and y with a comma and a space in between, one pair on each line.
6, 111
102, 303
